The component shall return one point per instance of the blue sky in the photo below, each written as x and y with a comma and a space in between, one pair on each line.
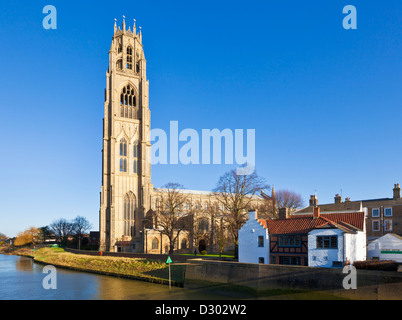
325, 102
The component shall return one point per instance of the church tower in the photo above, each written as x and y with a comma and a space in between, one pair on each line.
126, 155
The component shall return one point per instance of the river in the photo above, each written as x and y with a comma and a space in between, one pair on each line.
21, 279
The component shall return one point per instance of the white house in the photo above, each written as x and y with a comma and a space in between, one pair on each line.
318, 240
387, 247
254, 241
332, 244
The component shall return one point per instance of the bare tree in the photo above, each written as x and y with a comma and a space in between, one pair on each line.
235, 193
62, 229
171, 217
80, 226
288, 199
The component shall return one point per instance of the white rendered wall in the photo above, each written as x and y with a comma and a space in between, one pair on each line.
249, 252
324, 257
391, 247
356, 249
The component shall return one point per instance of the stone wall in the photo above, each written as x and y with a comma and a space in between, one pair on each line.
262, 277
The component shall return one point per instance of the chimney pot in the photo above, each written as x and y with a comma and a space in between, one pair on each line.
313, 200
338, 198
283, 213
397, 191
316, 213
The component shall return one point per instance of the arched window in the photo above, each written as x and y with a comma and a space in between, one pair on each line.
155, 244
203, 225
129, 214
128, 99
123, 155
129, 58
123, 148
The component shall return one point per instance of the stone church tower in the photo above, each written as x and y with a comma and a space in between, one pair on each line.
126, 164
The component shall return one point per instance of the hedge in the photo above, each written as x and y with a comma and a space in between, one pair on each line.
386, 265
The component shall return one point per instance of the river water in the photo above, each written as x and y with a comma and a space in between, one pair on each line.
22, 279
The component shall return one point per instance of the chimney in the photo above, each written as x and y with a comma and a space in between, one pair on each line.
283, 213
347, 200
252, 215
316, 213
338, 198
397, 191
313, 201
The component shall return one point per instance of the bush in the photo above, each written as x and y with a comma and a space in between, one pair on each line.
385, 265
204, 252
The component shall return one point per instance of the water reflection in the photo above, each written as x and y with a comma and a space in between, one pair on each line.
24, 264
21, 279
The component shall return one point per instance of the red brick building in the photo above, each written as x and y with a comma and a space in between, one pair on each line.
383, 215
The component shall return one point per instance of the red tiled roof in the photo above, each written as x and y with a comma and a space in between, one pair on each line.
302, 224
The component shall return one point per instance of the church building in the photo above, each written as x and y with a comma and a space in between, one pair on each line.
128, 200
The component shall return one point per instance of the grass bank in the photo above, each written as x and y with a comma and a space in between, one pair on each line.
130, 268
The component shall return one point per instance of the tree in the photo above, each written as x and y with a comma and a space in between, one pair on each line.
80, 226
29, 236
235, 193
171, 218
288, 199
62, 229
45, 233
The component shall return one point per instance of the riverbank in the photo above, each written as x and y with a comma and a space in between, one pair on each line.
130, 268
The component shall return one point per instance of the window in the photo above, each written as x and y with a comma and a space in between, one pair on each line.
327, 242
375, 213
128, 101
123, 165
123, 155
123, 148
260, 241
129, 58
376, 225
388, 212
203, 225
261, 260
135, 156
129, 214
135, 166
155, 244
388, 225
290, 260
289, 241
135, 149
184, 244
